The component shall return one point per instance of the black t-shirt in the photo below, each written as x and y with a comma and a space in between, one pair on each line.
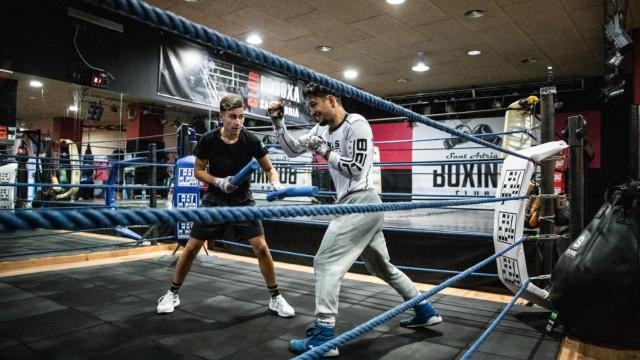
227, 159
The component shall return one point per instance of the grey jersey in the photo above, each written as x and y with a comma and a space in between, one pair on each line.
351, 157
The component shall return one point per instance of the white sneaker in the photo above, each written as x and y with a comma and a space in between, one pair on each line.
168, 302
280, 306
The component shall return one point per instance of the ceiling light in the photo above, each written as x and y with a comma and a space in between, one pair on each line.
395, 2
474, 52
324, 48
6, 71
350, 74
402, 81
254, 39
420, 66
530, 60
73, 108
35, 83
474, 14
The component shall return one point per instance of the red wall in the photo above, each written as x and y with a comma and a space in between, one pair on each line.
394, 152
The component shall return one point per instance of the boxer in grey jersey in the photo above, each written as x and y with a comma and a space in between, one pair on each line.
346, 142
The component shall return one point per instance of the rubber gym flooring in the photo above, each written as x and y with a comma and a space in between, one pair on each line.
108, 311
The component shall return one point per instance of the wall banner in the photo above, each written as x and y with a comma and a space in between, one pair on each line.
192, 73
457, 179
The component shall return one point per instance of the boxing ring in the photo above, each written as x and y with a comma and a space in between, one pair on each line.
106, 310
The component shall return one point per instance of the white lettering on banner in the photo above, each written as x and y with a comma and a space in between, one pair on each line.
471, 178
188, 201
186, 177
279, 88
466, 176
183, 229
288, 110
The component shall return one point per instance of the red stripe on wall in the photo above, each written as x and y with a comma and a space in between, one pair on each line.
394, 152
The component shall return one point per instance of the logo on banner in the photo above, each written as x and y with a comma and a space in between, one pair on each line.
187, 201
507, 223
512, 183
186, 177
183, 229
510, 271
467, 168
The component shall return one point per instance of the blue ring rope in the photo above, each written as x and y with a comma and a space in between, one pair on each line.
474, 347
290, 253
92, 218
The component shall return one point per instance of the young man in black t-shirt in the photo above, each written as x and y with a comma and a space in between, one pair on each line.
227, 150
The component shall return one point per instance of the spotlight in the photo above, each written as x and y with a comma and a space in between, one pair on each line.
616, 33
614, 87
615, 60
94, 112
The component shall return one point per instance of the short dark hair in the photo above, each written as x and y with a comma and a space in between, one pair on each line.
231, 102
312, 90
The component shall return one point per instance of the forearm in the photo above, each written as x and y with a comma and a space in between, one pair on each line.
204, 176
272, 175
291, 146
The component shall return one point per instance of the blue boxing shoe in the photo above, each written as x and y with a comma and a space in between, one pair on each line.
316, 336
425, 315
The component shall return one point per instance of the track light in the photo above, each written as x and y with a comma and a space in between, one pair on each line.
615, 60
614, 86
616, 33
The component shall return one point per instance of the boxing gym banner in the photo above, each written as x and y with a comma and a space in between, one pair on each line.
290, 176
192, 73
470, 178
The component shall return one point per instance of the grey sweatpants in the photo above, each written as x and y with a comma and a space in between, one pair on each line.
347, 238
